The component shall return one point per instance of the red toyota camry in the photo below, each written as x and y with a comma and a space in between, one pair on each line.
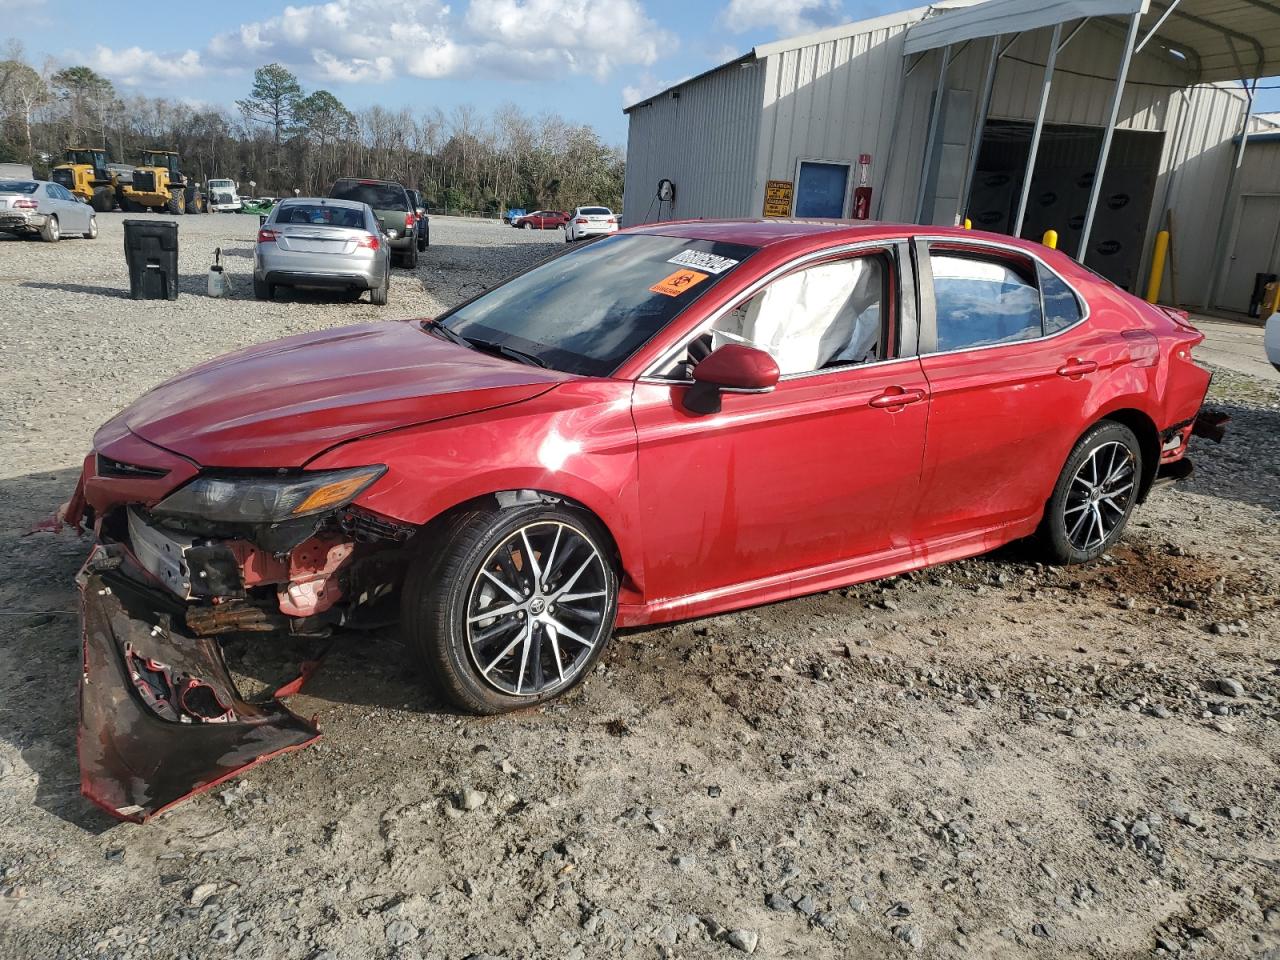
673, 421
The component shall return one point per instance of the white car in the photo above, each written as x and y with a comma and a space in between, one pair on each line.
590, 222
1272, 338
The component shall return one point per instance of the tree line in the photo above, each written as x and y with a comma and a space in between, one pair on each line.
283, 138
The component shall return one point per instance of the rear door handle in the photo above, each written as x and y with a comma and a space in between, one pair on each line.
897, 397
1077, 368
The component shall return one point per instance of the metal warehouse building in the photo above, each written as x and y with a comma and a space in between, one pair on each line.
999, 112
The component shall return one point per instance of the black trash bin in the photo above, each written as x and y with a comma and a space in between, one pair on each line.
151, 251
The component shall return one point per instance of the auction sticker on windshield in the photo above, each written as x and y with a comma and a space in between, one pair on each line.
678, 282
700, 260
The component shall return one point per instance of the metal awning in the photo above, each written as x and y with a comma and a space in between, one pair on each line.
1219, 39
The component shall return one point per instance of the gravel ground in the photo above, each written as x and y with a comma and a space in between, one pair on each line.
990, 758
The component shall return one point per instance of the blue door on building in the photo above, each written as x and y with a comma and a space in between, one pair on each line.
821, 190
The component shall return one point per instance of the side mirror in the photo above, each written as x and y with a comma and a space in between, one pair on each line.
733, 368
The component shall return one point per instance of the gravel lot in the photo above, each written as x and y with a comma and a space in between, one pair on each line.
990, 758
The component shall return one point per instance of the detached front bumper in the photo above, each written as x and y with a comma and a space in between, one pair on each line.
160, 717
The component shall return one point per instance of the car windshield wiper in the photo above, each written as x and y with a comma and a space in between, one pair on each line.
436, 325
502, 349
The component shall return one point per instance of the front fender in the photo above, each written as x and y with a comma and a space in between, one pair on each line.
577, 441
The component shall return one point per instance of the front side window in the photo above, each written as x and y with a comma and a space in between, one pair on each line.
983, 300
589, 310
823, 317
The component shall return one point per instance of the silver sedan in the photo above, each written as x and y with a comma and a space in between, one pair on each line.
321, 243
44, 208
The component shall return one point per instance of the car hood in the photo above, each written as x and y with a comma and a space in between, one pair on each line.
282, 403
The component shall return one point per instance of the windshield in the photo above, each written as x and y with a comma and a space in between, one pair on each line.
18, 186
380, 196
220, 185
589, 310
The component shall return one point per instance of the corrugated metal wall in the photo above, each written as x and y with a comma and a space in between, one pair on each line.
831, 100
704, 141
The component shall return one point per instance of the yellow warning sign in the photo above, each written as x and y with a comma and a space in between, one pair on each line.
678, 282
777, 198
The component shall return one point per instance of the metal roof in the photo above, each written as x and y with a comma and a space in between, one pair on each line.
1220, 39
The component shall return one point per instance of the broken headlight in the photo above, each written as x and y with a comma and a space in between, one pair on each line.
266, 499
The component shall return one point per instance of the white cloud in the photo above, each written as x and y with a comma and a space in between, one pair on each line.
585, 36
373, 41
788, 17
134, 66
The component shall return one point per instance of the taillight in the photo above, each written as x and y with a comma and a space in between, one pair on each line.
370, 242
267, 236
408, 221
611, 220
26, 204
580, 220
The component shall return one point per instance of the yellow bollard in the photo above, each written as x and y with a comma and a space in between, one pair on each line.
1274, 306
1158, 255
968, 224
1050, 239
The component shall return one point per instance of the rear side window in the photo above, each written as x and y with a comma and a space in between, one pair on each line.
983, 301
380, 196
1061, 308
596, 211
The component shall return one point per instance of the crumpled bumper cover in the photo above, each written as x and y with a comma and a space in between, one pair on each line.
160, 717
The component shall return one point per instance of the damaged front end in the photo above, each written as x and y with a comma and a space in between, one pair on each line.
160, 716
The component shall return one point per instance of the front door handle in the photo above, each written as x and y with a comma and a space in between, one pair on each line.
1075, 368
897, 397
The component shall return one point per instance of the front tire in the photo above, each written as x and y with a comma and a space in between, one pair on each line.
510, 608
1094, 496
92, 232
175, 204
527, 226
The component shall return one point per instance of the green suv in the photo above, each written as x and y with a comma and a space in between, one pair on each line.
391, 205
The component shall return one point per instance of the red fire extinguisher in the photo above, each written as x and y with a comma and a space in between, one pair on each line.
862, 192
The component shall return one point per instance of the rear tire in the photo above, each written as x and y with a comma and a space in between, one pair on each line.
50, 232
533, 650
1094, 496
263, 290
378, 295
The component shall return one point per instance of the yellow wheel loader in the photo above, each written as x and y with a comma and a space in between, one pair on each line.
158, 184
87, 173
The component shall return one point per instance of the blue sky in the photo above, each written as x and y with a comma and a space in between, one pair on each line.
580, 58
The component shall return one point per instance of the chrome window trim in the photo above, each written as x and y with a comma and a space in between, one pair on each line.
1086, 309
649, 376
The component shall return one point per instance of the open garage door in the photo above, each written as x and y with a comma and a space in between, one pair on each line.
1060, 190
